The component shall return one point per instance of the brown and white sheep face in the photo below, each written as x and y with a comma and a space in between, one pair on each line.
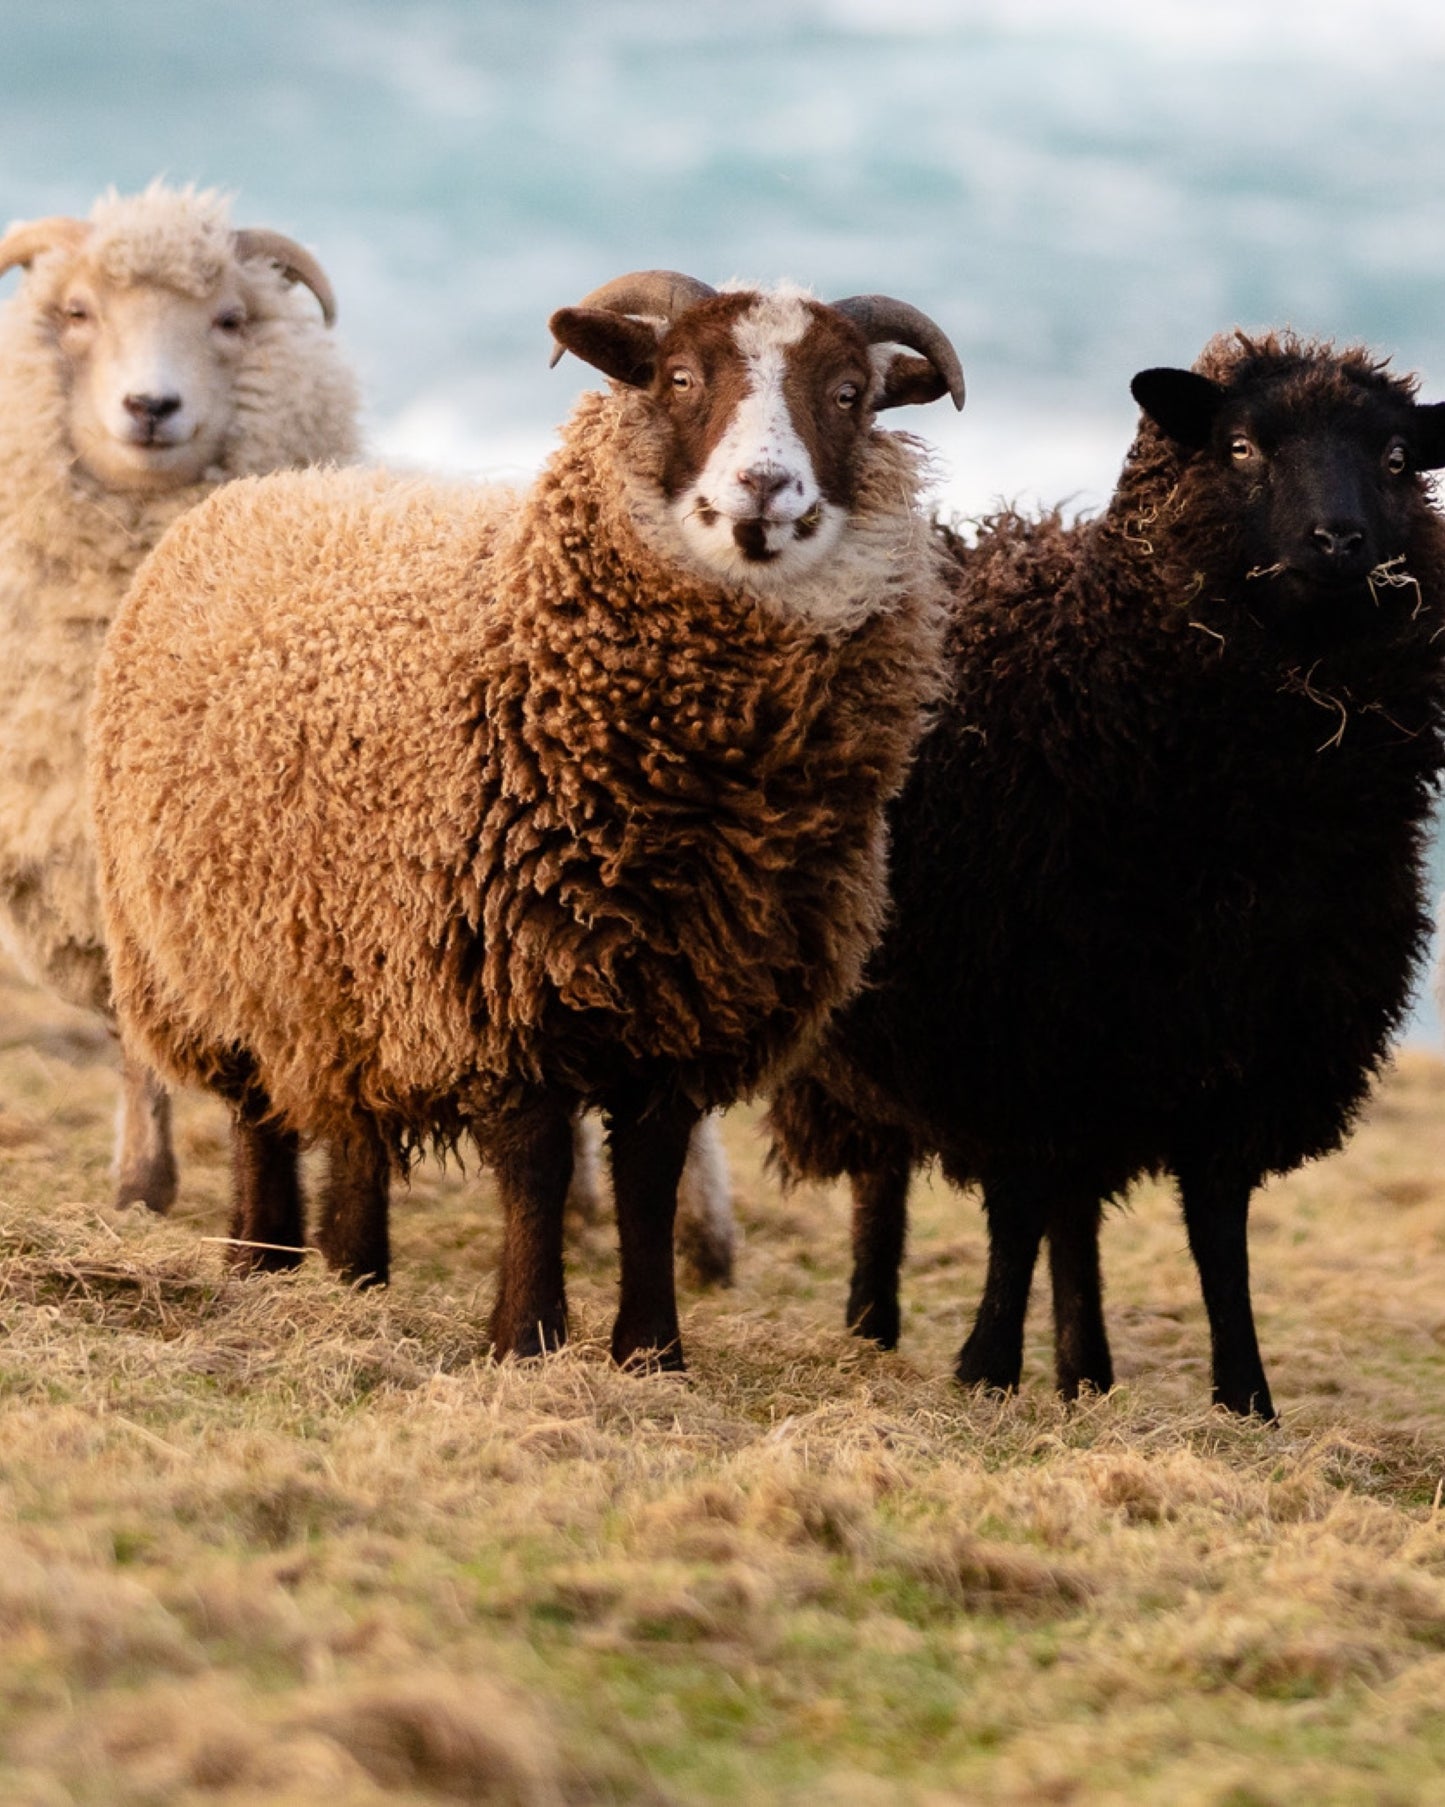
150, 391
765, 406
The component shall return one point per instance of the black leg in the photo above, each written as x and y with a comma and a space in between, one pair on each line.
267, 1219
648, 1152
1216, 1215
880, 1228
530, 1150
353, 1234
1081, 1343
994, 1352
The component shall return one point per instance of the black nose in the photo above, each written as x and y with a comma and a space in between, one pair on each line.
1340, 541
152, 407
763, 481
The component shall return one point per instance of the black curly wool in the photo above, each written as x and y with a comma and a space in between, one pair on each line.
1157, 872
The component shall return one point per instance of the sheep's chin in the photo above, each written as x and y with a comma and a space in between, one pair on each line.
792, 549
121, 465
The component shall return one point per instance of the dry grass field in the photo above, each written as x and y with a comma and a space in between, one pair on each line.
273, 1542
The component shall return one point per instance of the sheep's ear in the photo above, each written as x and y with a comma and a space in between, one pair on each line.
1181, 403
906, 380
615, 344
1427, 435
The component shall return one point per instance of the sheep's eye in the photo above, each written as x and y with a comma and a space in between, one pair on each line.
229, 320
681, 381
1396, 458
847, 395
74, 312
1241, 448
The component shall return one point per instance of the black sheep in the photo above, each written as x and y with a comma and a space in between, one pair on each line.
1157, 872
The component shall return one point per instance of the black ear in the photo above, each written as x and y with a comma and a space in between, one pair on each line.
909, 380
1180, 403
615, 344
1427, 435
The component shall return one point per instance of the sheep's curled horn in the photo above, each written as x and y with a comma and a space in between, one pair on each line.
294, 261
664, 294
27, 240
660, 294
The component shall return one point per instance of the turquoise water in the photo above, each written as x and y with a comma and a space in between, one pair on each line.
1073, 190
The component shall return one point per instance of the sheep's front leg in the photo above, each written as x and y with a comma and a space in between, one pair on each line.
267, 1222
880, 1228
1017, 1210
530, 1151
145, 1157
354, 1233
1081, 1343
648, 1152
1216, 1215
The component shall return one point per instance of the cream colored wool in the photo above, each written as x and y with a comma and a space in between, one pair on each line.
409, 794
69, 546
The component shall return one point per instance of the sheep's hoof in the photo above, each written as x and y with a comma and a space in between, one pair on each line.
875, 1320
649, 1357
1248, 1402
705, 1253
243, 1260
153, 1187
1072, 1387
530, 1343
980, 1366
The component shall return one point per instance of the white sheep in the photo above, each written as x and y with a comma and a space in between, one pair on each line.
425, 809
151, 353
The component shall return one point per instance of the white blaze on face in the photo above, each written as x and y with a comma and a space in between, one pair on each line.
755, 510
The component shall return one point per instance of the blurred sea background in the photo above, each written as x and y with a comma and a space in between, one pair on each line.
1074, 189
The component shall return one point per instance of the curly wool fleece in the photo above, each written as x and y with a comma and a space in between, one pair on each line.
409, 794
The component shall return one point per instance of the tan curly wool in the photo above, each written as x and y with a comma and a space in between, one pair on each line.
69, 546
408, 794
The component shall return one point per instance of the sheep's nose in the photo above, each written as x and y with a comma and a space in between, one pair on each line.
1339, 540
763, 482
152, 407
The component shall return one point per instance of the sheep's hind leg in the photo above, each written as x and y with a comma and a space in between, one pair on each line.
1216, 1215
354, 1233
648, 1152
267, 1223
880, 1229
1081, 1343
993, 1355
706, 1229
145, 1155
530, 1151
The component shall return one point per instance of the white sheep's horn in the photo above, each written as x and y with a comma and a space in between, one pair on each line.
660, 294
885, 321
27, 239
294, 261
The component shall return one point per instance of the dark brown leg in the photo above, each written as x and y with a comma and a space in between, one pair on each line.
530, 1151
266, 1192
353, 1234
647, 1159
994, 1352
1081, 1343
880, 1227
145, 1155
1216, 1215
